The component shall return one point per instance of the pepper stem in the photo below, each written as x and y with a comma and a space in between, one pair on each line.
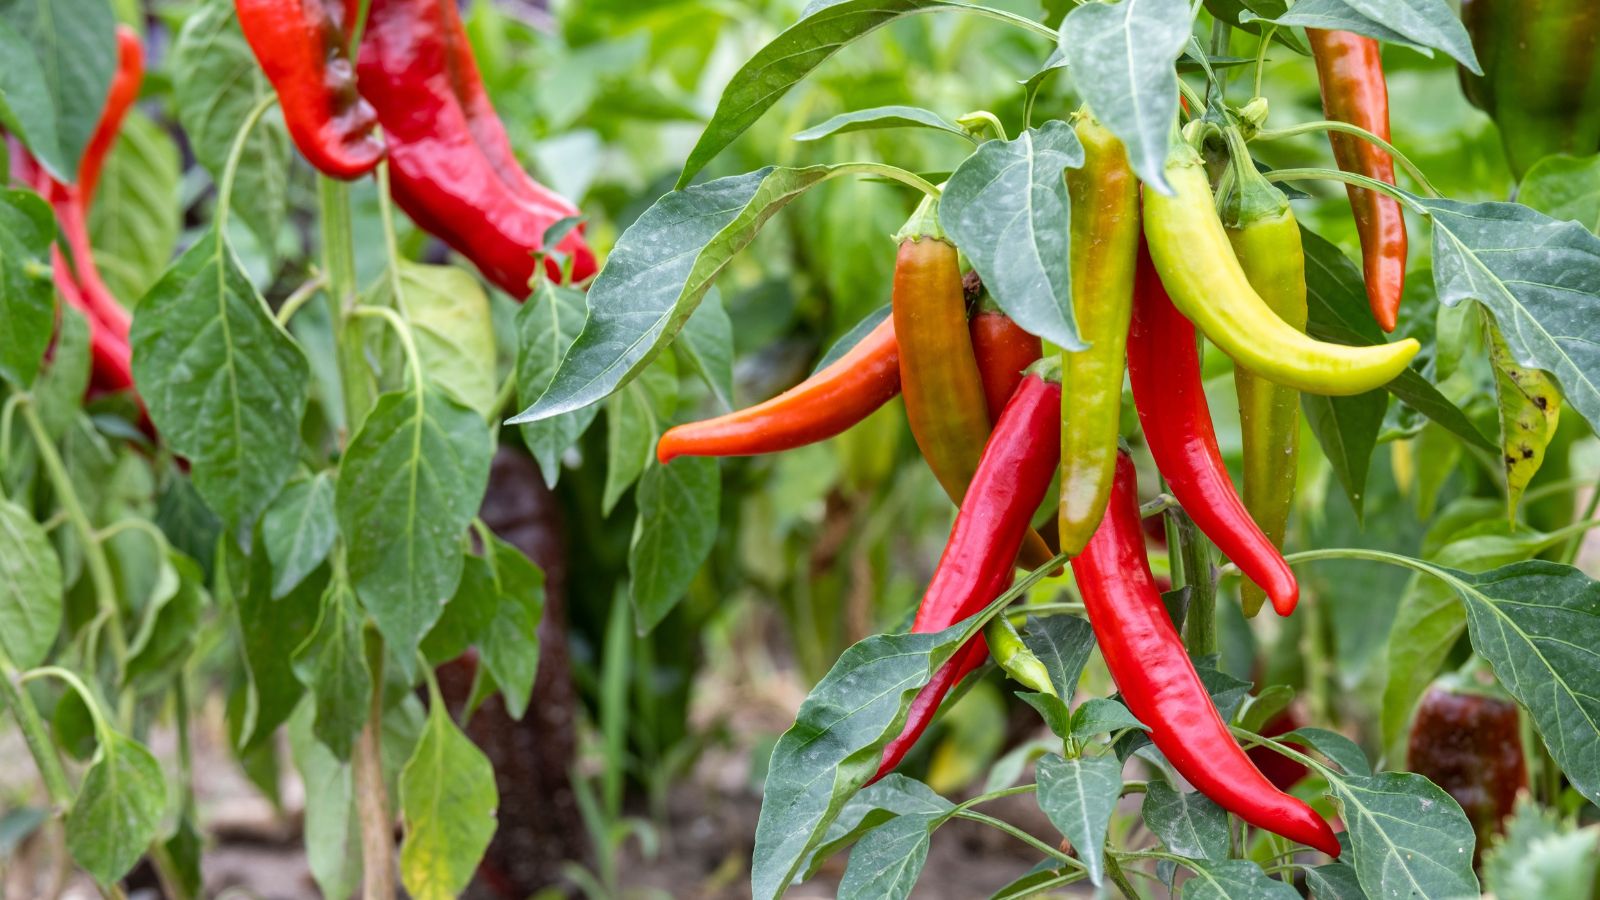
924, 223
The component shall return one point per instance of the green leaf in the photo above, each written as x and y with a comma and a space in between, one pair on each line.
509, 648
1186, 823
836, 744
658, 271
169, 623
1408, 838
1055, 712
332, 664
298, 530
136, 218
1234, 879
26, 106
30, 588
1098, 715
118, 809
706, 344
1565, 187
27, 295
888, 860
1334, 881
1347, 430
74, 45
224, 383
1079, 795
882, 117
449, 317
216, 83
447, 805
891, 796
1542, 855
635, 418
679, 505
410, 483
1063, 644
1006, 206
851, 338
269, 632
1122, 57
1423, 25
1529, 408
1534, 275
547, 324
823, 30
332, 830
1335, 746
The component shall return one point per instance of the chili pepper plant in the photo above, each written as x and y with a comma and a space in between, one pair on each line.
1118, 370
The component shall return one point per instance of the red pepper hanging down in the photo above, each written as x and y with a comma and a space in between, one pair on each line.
1003, 351
1350, 69
842, 394
452, 169
1148, 662
303, 47
1013, 475
1164, 369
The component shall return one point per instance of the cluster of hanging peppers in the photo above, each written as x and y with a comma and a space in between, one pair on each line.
997, 423
412, 76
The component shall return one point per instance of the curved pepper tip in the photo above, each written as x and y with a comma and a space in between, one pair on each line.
667, 448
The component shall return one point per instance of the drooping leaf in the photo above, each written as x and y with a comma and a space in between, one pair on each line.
676, 528
30, 588
118, 809
72, 43
510, 647
298, 530
1347, 430
882, 117
169, 623
1079, 795
223, 382
27, 299
547, 324
1186, 823
1006, 206
332, 829
410, 482
332, 664
1530, 409
635, 417
448, 800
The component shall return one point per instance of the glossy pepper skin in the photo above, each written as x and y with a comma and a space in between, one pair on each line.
842, 394
303, 48
1148, 662
1469, 742
1266, 240
1350, 69
1003, 351
451, 165
939, 377
1541, 81
1105, 243
1192, 252
1016, 470
1164, 369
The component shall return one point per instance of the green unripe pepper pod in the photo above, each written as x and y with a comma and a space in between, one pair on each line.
1197, 265
1105, 244
1014, 657
1266, 240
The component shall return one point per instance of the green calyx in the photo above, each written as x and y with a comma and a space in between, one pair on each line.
924, 223
1047, 368
1245, 196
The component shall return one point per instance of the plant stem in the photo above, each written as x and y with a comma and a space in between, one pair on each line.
377, 826
1120, 880
34, 735
339, 265
1020, 835
1200, 623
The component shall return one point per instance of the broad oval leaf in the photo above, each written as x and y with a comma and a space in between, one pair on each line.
1097, 715
1186, 823
27, 295
1006, 206
118, 809
1122, 57
547, 324
1408, 838
223, 382
410, 483
882, 117
888, 860
30, 588
448, 800
676, 528
72, 43
1079, 795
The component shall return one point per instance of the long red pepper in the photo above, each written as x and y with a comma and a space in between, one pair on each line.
125, 83
1013, 474
452, 169
1350, 68
1164, 369
1148, 662
842, 394
302, 46
1003, 351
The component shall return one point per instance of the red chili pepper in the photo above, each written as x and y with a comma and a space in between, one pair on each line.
842, 394
125, 83
452, 169
303, 47
1013, 474
1350, 68
1003, 350
1164, 369
1469, 742
1148, 662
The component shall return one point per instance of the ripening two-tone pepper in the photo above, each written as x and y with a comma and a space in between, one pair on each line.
1105, 243
1164, 370
1148, 662
1350, 69
1198, 267
1018, 463
451, 165
1468, 740
1266, 240
303, 48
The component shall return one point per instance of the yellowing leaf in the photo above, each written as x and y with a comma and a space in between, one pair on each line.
1530, 407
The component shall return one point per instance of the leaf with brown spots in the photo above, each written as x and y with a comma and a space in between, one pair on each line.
1530, 407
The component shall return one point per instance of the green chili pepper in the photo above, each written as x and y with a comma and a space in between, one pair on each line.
1007, 648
